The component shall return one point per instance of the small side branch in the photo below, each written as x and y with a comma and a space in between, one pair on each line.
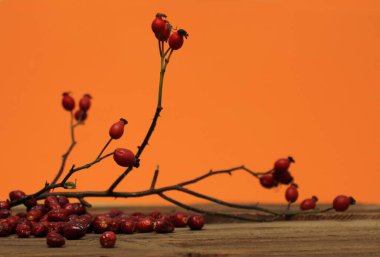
155, 176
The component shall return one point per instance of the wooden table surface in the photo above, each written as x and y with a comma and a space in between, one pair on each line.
356, 234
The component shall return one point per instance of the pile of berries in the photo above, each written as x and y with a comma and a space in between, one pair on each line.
58, 219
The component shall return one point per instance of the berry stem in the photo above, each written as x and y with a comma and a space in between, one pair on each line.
104, 148
155, 176
67, 153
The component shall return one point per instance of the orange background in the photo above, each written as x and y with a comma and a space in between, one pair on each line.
255, 81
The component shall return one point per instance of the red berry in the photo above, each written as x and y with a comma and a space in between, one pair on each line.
13, 222
85, 103
165, 33
68, 102
124, 157
108, 239
308, 204
100, 225
342, 202
39, 229
75, 208
74, 230
55, 226
128, 226
58, 215
179, 219
283, 164
54, 239
158, 24
176, 39
62, 200
145, 224
4, 205
196, 222
291, 193
268, 181
114, 225
23, 230
80, 115
155, 214
5, 229
4, 213
117, 129
16, 194
164, 226
51, 202
34, 215
283, 177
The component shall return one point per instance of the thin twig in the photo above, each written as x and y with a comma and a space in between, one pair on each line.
104, 148
155, 176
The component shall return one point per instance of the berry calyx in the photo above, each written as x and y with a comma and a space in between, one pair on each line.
85, 102
124, 157
291, 193
176, 39
342, 202
68, 102
108, 239
117, 129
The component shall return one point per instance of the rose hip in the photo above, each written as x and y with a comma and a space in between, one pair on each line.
308, 204
58, 215
4, 213
342, 202
54, 239
80, 115
85, 102
74, 230
100, 225
5, 229
4, 205
16, 194
75, 208
39, 229
176, 39
117, 129
23, 230
268, 181
283, 164
283, 177
196, 222
51, 202
68, 102
164, 226
62, 200
34, 215
108, 239
158, 24
128, 226
291, 193
179, 219
124, 157
145, 225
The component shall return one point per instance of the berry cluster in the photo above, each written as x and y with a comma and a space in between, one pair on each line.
57, 219
280, 174
68, 104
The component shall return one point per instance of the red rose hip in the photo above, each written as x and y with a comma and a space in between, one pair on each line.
16, 194
23, 230
268, 181
85, 103
124, 157
179, 219
283, 164
342, 202
80, 115
117, 129
145, 225
176, 39
4, 205
54, 239
68, 102
196, 222
291, 193
107, 239
308, 204
164, 226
